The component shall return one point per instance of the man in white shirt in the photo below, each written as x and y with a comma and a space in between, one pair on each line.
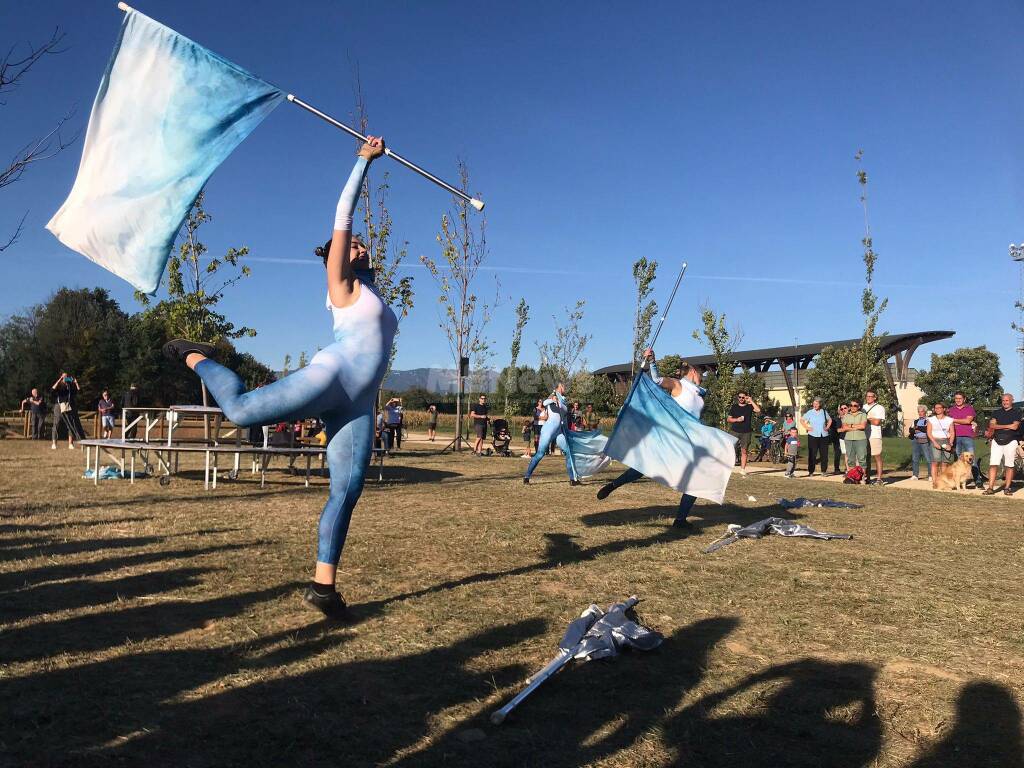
876, 418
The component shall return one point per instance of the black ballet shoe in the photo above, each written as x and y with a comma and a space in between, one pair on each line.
575, 482
606, 491
331, 605
179, 349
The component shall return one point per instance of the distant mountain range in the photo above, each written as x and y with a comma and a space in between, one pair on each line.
439, 380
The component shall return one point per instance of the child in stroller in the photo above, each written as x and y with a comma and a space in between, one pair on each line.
501, 438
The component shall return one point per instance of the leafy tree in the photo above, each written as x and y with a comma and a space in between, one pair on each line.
519, 389
971, 370
644, 274
716, 335
194, 289
566, 350
509, 384
303, 359
464, 319
588, 388
286, 368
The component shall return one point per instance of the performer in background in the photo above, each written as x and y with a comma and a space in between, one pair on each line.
553, 430
339, 385
688, 394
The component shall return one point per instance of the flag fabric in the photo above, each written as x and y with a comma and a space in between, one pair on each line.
587, 451
658, 438
167, 113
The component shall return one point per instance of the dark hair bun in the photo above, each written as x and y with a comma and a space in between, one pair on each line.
323, 250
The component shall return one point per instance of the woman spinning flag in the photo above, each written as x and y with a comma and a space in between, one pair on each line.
584, 451
339, 384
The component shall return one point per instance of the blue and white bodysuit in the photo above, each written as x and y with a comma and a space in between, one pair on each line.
554, 429
339, 386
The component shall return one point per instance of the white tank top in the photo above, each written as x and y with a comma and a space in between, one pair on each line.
690, 398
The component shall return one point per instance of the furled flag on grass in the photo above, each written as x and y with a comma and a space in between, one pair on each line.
167, 113
655, 436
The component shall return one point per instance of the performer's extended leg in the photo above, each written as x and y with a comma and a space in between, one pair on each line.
546, 438
570, 465
629, 476
309, 391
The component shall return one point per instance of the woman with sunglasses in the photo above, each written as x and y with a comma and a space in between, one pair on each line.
339, 385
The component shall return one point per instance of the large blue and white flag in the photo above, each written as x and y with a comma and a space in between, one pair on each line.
167, 113
655, 436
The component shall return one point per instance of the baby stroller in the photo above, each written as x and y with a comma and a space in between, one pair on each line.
501, 438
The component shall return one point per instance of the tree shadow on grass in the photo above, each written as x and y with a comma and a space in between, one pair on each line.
986, 733
54, 598
561, 550
14, 528
129, 710
63, 571
97, 632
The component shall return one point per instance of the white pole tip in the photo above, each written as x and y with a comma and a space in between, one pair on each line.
497, 718
478, 204
290, 97
124, 7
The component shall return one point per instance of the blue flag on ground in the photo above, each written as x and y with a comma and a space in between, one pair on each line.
167, 113
655, 436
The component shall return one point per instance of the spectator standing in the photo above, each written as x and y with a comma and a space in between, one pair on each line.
131, 400
766, 435
383, 440
478, 412
576, 418
835, 438
393, 423
1003, 427
36, 413
940, 437
875, 413
431, 422
964, 424
792, 450
920, 443
740, 416
540, 415
817, 422
855, 437
788, 422
65, 409
106, 408
591, 420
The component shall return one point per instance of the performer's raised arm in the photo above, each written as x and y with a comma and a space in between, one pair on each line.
670, 385
345, 253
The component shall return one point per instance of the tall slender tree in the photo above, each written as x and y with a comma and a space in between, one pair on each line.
563, 354
722, 340
644, 274
464, 319
522, 318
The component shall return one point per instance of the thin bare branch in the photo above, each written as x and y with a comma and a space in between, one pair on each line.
12, 70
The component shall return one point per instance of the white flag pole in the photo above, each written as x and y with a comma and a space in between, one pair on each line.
477, 204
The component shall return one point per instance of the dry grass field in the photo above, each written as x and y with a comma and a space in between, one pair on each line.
161, 626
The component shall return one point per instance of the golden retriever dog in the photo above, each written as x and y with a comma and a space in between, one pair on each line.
953, 476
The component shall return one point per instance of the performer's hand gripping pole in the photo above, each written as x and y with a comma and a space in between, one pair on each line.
478, 204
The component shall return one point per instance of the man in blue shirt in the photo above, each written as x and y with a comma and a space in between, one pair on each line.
817, 422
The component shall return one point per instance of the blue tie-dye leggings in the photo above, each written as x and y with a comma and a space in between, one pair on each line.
311, 391
552, 430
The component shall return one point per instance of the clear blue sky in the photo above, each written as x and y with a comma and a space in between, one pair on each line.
597, 133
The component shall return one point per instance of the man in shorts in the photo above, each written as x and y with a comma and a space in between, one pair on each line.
1004, 424
106, 408
740, 418
875, 413
478, 412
